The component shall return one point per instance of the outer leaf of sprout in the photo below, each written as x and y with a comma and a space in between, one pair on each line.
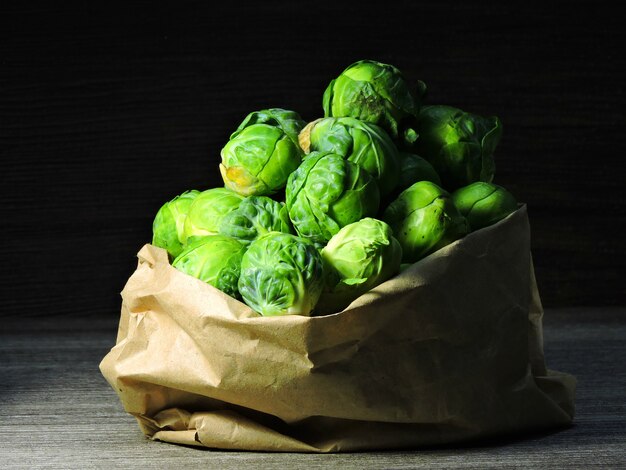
168, 225
484, 204
328, 192
424, 219
214, 259
207, 211
357, 258
281, 274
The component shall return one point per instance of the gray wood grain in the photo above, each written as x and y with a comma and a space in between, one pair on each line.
56, 410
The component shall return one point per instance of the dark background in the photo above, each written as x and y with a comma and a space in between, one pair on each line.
106, 112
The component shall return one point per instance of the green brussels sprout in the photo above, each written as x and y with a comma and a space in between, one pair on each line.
256, 216
281, 274
262, 152
376, 93
207, 211
484, 204
414, 168
459, 145
214, 259
327, 192
167, 228
365, 144
424, 219
356, 259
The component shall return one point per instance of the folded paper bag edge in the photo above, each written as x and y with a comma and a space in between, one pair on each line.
152, 255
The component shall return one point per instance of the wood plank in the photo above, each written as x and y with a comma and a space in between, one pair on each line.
56, 410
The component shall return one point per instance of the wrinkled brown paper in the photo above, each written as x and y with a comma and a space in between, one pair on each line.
449, 350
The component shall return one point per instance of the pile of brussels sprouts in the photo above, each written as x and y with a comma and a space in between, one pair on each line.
311, 216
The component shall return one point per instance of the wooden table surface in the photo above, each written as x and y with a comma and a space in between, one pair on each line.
57, 411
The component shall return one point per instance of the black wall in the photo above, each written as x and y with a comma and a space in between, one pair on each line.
107, 112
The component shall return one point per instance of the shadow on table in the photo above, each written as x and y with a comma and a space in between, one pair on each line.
469, 445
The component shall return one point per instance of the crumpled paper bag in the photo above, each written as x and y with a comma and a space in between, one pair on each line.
449, 350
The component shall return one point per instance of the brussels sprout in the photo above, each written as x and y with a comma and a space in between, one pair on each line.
424, 219
207, 211
281, 274
376, 93
459, 145
362, 143
414, 168
167, 228
214, 259
327, 192
484, 204
262, 152
356, 259
256, 216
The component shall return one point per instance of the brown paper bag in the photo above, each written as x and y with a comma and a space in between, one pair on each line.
449, 350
